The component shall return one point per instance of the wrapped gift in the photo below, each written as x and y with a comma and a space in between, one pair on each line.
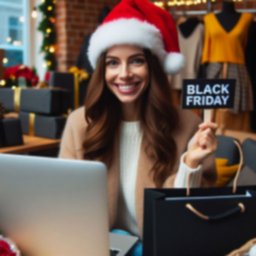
1, 135
10, 132
10, 98
48, 101
75, 82
41, 125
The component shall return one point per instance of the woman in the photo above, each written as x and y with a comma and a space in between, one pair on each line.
129, 121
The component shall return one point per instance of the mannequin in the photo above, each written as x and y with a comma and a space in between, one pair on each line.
188, 26
225, 38
228, 17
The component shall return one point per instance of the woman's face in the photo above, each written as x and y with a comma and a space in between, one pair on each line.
127, 73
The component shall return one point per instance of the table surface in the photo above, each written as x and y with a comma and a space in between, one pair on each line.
32, 143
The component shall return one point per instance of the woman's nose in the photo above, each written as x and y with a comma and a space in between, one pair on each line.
125, 72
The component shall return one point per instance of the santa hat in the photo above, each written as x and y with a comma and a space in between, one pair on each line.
141, 23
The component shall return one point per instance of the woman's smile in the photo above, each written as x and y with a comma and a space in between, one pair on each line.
130, 88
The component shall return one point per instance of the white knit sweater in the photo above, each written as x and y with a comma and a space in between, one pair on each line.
130, 143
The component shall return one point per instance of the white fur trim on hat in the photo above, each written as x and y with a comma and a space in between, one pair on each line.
135, 32
174, 62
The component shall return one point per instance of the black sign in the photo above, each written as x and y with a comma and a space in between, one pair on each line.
208, 93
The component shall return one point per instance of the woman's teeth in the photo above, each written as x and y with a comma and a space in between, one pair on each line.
126, 87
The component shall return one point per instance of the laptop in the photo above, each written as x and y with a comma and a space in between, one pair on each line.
57, 207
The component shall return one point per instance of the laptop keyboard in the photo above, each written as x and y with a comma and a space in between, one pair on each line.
113, 252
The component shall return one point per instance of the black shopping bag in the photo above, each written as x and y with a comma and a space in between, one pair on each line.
173, 225
199, 221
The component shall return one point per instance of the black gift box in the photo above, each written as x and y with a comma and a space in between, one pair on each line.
47, 101
1, 134
67, 81
10, 132
7, 98
42, 126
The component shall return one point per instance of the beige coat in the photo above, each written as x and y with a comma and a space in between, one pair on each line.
71, 147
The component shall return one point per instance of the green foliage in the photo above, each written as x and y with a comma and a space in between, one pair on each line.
47, 27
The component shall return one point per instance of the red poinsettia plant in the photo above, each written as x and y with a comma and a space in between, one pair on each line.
8, 248
13, 73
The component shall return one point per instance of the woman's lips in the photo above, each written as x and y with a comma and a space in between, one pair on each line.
127, 88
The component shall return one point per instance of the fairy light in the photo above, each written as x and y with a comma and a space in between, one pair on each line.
47, 27
22, 19
2, 82
51, 49
17, 43
5, 60
48, 30
34, 13
159, 4
8, 39
172, 3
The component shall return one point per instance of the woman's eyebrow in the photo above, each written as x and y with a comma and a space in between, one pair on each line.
137, 55
111, 57
132, 56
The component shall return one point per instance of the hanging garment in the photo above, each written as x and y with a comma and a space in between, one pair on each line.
243, 100
223, 46
190, 35
250, 57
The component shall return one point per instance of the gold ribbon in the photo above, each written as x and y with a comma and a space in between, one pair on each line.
76, 90
79, 76
17, 92
31, 124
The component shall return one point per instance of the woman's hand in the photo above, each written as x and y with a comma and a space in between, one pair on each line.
202, 144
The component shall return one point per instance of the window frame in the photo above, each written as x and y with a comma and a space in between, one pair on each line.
25, 26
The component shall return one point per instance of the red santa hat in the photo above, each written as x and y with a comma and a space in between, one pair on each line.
141, 23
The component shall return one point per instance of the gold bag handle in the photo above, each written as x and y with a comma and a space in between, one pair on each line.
238, 208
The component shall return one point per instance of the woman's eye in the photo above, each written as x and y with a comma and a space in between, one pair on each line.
111, 63
138, 61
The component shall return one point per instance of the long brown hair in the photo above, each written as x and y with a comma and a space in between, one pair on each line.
158, 116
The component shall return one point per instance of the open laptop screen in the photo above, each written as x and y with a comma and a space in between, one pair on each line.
53, 206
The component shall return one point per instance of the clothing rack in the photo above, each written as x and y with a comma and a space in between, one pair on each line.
203, 12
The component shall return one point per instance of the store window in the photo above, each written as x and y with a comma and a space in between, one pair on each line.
13, 26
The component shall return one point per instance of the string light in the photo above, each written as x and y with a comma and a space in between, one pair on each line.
5, 60
48, 30
34, 13
2, 82
51, 49
8, 39
47, 27
22, 19
171, 3
17, 43
159, 4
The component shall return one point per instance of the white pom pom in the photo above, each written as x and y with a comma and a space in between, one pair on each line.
174, 62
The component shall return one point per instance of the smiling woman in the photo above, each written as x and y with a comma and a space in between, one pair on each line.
127, 77
129, 121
